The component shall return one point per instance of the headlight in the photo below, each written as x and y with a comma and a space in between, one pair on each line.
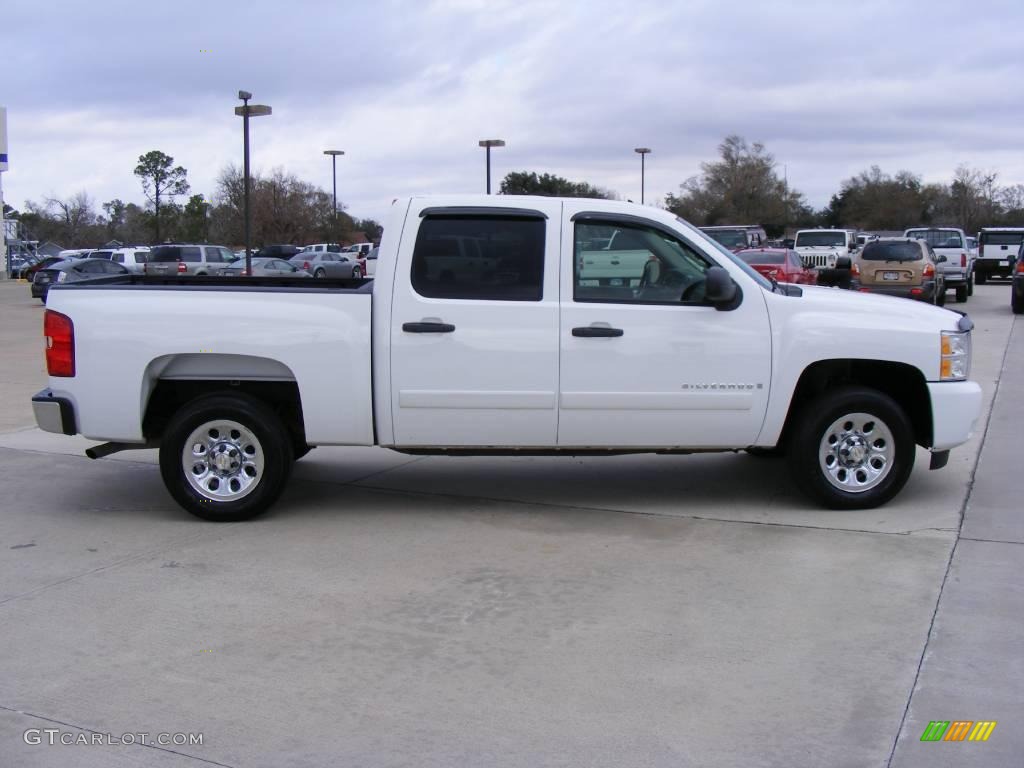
955, 360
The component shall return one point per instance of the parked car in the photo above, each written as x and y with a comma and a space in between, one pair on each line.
958, 268
361, 248
738, 236
262, 267
133, 258
906, 267
707, 356
821, 247
28, 270
320, 247
1017, 290
191, 260
72, 272
19, 263
371, 262
328, 264
278, 251
780, 264
997, 252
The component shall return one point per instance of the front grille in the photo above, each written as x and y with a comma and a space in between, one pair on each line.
817, 259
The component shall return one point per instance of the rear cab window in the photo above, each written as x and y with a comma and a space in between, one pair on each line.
481, 257
938, 238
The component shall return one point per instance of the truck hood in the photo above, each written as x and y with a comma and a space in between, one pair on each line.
894, 311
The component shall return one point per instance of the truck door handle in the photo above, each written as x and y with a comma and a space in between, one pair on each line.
596, 332
428, 327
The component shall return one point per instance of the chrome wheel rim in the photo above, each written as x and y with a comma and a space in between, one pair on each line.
222, 460
856, 452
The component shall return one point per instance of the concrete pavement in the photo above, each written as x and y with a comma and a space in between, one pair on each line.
640, 610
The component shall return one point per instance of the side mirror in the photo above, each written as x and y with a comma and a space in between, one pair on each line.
719, 288
852, 247
844, 262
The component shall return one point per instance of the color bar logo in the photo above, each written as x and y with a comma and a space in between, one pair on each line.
958, 730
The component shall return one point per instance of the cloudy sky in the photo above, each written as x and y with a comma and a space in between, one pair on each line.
407, 88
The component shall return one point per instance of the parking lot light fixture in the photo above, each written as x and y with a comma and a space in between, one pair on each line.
642, 151
488, 143
334, 173
245, 112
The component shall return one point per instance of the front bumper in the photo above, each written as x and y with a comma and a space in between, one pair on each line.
995, 267
54, 414
956, 408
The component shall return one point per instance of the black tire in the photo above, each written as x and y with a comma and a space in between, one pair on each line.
940, 297
961, 293
320, 273
1016, 303
810, 435
980, 278
275, 449
970, 285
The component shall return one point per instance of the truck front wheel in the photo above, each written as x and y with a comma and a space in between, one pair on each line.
853, 448
225, 458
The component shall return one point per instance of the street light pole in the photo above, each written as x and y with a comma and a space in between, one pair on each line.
488, 143
245, 111
642, 151
334, 173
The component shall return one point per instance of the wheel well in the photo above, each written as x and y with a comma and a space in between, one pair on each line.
903, 383
170, 395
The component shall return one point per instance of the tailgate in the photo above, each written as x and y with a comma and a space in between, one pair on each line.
889, 273
128, 337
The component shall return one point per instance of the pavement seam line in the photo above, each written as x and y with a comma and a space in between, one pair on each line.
662, 515
992, 541
104, 733
956, 542
117, 563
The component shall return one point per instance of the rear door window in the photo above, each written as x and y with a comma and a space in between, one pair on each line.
876, 251
497, 258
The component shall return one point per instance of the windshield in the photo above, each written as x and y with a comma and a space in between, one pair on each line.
891, 252
937, 238
826, 239
749, 270
730, 238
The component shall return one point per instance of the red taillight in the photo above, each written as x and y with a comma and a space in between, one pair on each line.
1020, 267
916, 291
182, 267
929, 270
855, 270
981, 251
60, 343
306, 266
963, 259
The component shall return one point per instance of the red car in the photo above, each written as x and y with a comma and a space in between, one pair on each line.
783, 264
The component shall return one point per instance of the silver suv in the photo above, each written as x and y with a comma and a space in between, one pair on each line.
190, 260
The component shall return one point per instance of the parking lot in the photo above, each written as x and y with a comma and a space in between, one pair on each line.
619, 611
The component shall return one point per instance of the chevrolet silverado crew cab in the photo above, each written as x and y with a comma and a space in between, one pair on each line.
482, 334
957, 269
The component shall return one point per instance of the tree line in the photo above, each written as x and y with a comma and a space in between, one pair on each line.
285, 209
741, 186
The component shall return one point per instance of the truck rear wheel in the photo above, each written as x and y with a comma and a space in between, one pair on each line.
225, 458
961, 293
979, 278
853, 448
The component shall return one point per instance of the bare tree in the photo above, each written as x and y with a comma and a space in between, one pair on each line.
76, 213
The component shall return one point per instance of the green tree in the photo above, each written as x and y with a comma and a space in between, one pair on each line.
194, 221
547, 184
160, 179
741, 187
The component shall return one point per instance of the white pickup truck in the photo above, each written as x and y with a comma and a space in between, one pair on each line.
479, 336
